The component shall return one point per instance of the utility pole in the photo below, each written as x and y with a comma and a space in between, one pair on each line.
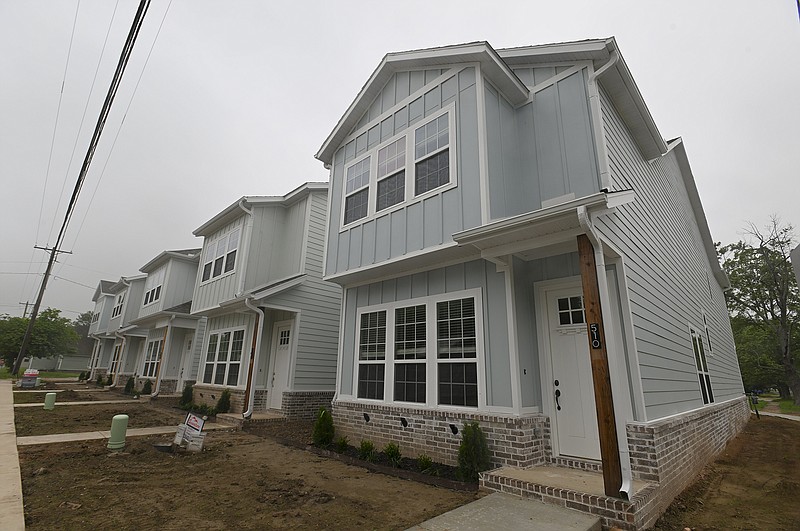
25, 313
87, 161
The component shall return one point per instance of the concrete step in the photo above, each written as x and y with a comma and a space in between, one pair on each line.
503, 511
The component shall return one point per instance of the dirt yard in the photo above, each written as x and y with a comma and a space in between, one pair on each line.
753, 485
250, 481
67, 395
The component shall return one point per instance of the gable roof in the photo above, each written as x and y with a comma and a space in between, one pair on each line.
103, 288
474, 52
237, 208
188, 255
498, 66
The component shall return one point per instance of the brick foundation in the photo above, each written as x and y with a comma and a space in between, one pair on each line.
519, 442
304, 405
209, 395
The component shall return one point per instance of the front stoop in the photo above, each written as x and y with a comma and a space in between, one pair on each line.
578, 490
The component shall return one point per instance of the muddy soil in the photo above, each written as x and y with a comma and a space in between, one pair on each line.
68, 395
753, 485
240, 481
91, 417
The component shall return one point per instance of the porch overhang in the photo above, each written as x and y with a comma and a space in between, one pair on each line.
544, 232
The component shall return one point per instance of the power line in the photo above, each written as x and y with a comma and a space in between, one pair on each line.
73, 282
101, 121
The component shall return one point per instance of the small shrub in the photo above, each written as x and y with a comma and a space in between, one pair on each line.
424, 463
187, 397
82, 376
341, 444
99, 380
473, 452
323, 429
224, 402
129, 385
392, 451
147, 388
366, 450
201, 409
110, 379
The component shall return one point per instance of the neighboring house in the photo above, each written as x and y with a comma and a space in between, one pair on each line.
173, 336
484, 206
115, 335
272, 322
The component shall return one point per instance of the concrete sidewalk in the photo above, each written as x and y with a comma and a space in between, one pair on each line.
82, 403
796, 418
95, 435
12, 515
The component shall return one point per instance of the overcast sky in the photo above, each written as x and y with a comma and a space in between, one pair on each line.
237, 96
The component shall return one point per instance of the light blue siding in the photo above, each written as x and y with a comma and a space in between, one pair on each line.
667, 277
421, 224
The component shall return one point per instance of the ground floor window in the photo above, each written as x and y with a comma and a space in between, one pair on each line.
432, 357
152, 359
115, 359
224, 357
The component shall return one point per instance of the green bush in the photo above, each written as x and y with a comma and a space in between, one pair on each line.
82, 376
392, 451
110, 379
129, 385
147, 388
201, 409
424, 463
341, 444
366, 450
187, 397
473, 453
99, 380
224, 402
323, 429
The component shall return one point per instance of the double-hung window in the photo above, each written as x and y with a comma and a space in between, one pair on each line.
702, 367
224, 357
403, 168
432, 359
152, 359
220, 257
116, 311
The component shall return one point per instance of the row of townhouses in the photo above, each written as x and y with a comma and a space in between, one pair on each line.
505, 237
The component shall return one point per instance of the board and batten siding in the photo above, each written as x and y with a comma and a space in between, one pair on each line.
543, 149
441, 281
319, 303
209, 294
179, 282
418, 224
276, 243
669, 279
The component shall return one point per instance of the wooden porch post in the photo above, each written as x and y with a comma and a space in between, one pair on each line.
604, 402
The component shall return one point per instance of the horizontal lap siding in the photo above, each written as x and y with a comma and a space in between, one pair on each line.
420, 224
668, 275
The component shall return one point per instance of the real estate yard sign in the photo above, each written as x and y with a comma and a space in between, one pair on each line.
190, 433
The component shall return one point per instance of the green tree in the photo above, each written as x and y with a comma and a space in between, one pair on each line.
764, 295
755, 348
52, 335
81, 325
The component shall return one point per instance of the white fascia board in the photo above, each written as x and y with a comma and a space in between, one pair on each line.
478, 52
699, 214
162, 258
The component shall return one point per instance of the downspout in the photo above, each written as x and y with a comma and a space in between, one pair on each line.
597, 113
162, 361
244, 246
121, 354
250, 393
602, 284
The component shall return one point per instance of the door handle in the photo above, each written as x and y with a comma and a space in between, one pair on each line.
558, 394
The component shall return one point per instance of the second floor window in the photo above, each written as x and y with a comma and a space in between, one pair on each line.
220, 255
117, 309
357, 191
153, 286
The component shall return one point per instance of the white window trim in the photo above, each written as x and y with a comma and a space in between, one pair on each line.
695, 333
431, 359
409, 198
116, 310
156, 360
213, 245
116, 359
204, 358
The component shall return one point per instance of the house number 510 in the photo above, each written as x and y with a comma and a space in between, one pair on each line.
594, 332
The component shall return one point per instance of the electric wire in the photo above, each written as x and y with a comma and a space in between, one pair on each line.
53, 140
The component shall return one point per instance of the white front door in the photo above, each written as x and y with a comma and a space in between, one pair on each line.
571, 386
281, 355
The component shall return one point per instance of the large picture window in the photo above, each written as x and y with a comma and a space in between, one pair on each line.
433, 357
152, 359
224, 357
417, 162
220, 255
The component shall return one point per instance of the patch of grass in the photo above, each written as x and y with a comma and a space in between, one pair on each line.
4, 373
788, 406
58, 374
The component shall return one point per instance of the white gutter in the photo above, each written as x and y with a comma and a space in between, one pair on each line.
244, 246
620, 415
597, 122
162, 361
252, 376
